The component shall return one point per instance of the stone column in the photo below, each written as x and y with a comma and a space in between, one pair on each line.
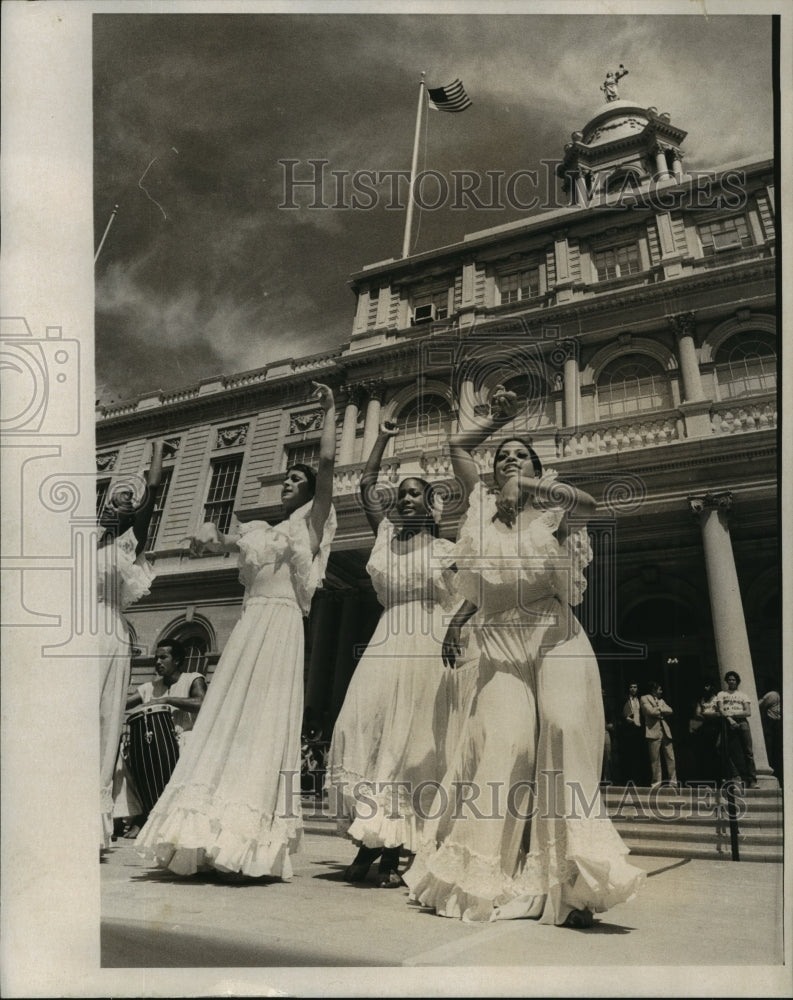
695, 407
729, 624
572, 398
677, 165
371, 427
349, 425
683, 326
661, 169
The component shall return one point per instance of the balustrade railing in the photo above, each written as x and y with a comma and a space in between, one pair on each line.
737, 416
629, 433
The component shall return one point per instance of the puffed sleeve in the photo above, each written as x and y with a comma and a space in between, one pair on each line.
136, 572
255, 543
575, 554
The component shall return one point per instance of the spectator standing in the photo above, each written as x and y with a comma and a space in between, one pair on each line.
735, 708
658, 735
632, 751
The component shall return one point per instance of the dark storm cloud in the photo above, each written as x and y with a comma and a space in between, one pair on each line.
227, 281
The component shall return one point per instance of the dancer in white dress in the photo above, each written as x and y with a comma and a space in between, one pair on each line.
388, 741
123, 576
233, 801
523, 832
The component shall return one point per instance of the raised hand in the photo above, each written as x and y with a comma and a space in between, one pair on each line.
389, 428
206, 541
324, 394
503, 404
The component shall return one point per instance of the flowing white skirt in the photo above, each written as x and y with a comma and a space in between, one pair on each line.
520, 830
115, 666
233, 801
387, 754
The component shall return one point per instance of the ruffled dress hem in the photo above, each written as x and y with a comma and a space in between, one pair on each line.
456, 882
190, 839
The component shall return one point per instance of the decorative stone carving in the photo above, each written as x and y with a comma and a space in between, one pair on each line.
171, 447
710, 501
682, 324
230, 437
376, 389
563, 351
308, 420
107, 462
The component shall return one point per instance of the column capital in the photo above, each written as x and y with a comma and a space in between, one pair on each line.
564, 351
683, 324
375, 389
699, 502
353, 393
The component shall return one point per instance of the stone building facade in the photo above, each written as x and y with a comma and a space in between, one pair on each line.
639, 321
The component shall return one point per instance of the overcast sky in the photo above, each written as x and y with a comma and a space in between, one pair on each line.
203, 274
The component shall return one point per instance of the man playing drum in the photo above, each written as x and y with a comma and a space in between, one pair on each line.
170, 704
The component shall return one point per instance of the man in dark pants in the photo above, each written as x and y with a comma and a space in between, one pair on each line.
632, 750
735, 708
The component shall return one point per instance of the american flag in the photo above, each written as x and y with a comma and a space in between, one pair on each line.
451, 98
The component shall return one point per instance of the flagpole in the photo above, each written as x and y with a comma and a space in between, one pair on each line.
107, 230
414, 164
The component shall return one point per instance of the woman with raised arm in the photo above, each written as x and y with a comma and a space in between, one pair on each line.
388, 741
535, 842
233, 801
124, 575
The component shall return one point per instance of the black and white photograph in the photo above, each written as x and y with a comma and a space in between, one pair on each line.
395, 505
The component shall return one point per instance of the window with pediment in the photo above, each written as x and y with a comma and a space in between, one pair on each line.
634, 383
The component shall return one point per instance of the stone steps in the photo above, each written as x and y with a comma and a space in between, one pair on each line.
693, 822
668, 822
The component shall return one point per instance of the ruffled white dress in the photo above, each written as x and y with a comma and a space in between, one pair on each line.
122, 579
521, 830
389, 739
233, 801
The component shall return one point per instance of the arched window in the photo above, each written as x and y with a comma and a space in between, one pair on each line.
746, 363
197, 641
425, 423
632, 383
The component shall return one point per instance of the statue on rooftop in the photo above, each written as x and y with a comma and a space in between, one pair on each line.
609, 86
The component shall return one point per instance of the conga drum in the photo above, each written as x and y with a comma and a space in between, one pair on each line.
152, 751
